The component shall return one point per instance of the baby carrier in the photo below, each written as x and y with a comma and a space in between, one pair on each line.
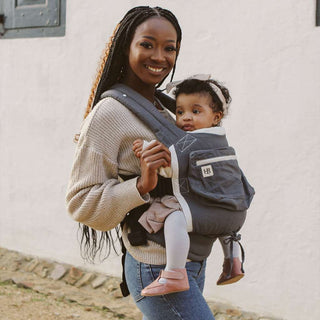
207, 181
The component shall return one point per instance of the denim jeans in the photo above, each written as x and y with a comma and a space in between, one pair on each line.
186, 305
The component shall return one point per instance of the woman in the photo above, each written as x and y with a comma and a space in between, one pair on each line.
141, 54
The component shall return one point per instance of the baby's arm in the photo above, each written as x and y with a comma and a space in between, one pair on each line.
137, 147
140, 145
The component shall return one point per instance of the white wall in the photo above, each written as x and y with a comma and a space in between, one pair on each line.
268, 55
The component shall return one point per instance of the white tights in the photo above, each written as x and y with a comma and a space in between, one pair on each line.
177, 240
226, 248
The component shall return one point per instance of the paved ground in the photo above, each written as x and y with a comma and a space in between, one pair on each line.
35, 289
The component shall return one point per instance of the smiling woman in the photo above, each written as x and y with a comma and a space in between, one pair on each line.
107, 180
152, 55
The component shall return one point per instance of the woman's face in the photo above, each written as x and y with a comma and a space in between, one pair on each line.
152, 52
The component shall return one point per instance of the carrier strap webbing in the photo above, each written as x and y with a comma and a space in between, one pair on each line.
166, 132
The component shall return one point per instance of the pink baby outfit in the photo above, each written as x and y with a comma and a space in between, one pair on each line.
153, 219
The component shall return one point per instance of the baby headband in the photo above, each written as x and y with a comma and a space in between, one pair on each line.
202, 77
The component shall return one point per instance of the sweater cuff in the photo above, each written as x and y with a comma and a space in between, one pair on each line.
146, 197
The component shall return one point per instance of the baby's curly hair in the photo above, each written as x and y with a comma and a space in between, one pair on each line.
190, 86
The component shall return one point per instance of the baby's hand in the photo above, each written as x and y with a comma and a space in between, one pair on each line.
137, 147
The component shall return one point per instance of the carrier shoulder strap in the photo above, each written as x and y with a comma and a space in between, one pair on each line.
165, 131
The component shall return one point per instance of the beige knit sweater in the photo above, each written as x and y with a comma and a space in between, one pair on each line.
95, 196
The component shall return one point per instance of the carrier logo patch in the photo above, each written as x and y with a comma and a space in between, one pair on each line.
207, 171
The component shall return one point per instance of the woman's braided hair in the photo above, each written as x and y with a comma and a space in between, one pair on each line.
114, 61
112, 68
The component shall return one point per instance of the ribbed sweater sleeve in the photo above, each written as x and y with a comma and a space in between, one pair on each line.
95, 196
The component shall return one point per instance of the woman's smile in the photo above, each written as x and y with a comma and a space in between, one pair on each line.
155, 69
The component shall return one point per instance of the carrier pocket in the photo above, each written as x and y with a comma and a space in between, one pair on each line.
215, 176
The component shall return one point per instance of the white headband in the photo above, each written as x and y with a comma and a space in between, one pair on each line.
202, 77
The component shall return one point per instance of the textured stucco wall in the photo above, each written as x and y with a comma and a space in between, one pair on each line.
266, 52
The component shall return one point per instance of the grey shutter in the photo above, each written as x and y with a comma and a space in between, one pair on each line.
318, 13
33, 18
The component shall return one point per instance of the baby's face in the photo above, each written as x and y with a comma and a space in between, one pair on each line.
194, 112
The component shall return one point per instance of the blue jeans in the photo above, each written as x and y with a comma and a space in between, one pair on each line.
186, 305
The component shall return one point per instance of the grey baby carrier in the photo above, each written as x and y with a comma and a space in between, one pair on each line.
207, 181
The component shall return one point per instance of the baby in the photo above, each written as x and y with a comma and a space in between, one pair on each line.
200, 105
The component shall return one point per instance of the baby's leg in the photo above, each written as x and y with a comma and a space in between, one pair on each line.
174, 278
232, 271
226, 248
177, 240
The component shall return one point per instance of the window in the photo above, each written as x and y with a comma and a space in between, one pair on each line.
32, 18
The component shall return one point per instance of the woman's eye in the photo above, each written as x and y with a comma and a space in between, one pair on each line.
146, 45
171, 48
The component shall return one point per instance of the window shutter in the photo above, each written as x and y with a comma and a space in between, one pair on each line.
33, 18
318, 13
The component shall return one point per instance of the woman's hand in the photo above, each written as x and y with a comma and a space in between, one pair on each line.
154, 156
